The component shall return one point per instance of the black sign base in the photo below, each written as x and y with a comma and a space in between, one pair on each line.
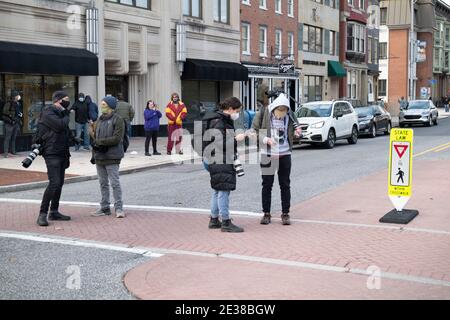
400, 217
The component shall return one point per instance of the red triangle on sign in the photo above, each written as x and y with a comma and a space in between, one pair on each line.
401, 149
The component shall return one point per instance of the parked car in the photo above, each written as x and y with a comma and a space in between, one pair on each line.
419, 112
373, 119
324, 122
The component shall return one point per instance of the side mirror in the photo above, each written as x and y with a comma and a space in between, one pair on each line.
339, 114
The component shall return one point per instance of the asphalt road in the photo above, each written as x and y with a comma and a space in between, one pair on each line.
36, 271
315, 170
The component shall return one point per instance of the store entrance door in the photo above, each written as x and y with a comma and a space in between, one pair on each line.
117, 84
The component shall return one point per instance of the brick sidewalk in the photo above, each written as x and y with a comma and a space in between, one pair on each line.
340, 246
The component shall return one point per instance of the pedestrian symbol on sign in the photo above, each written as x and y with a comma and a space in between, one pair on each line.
400, 175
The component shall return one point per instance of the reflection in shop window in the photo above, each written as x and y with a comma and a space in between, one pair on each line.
66, 83
261, 86
30, 89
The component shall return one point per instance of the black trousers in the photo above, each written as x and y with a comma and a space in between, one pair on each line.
56, 168
269, 166
153, 135
11, 132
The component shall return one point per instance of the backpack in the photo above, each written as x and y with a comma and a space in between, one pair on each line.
197, 140
126, 139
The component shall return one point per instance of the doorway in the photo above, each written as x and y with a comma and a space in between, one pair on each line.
117, 84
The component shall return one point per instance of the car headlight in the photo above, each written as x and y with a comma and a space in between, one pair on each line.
364, 121
318, 125
426, 113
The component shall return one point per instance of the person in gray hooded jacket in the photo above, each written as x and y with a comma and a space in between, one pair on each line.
107, 134
275, 128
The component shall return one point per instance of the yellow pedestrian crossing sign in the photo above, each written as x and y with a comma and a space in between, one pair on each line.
400, 166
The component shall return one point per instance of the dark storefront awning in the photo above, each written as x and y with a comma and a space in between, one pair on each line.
335, 69
37, 59
214, 70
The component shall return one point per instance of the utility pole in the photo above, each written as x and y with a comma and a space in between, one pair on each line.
411, 55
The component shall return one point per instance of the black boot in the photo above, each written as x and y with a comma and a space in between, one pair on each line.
214, 223
42, 220
228, 226
58, 216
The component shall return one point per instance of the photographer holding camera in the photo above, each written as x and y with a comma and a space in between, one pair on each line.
222, 162
54, 136
275, 127
13, 118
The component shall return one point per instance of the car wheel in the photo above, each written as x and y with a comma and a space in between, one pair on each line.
436, 121
354, 138
388, 129
331, 141
373, 130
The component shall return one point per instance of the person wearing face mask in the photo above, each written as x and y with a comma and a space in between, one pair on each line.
176, 112
107, 136
151, 127
220, 159
54, 136
275, 128
13, 118
81, 109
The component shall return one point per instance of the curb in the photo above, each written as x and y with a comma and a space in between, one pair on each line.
42, 184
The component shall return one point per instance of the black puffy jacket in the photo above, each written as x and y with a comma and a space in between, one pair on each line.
53, 132
221, 169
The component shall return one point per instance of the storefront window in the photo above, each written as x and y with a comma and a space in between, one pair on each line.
66, 83
36, 91
312, 88
261, 86
30, 88
196, 93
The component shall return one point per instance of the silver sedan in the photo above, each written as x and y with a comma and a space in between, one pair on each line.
419, 112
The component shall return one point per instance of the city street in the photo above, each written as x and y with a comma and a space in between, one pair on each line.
335, 248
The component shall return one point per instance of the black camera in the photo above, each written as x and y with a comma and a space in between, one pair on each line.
239, 168
36, 150
274, 93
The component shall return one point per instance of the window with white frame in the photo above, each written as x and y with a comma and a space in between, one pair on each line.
332, 43
362, 4
352, 85
278, 6
245, 35
290, 8
263, 4
247, 2
192, 8
291, 46
312, 39
356, 37
222, 11
263, 41
350, 2
278, 43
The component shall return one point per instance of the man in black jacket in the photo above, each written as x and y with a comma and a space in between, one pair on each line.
81, 109
54, 137
13, 118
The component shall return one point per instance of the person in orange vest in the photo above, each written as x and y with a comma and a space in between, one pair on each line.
176, 112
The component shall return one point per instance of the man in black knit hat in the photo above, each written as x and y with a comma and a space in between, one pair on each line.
54, 137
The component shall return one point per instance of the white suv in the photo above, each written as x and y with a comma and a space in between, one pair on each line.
324, 122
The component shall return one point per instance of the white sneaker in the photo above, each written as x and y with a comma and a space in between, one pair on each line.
120, 213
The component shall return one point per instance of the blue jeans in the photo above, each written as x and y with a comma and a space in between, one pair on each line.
220, 204
79, 127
